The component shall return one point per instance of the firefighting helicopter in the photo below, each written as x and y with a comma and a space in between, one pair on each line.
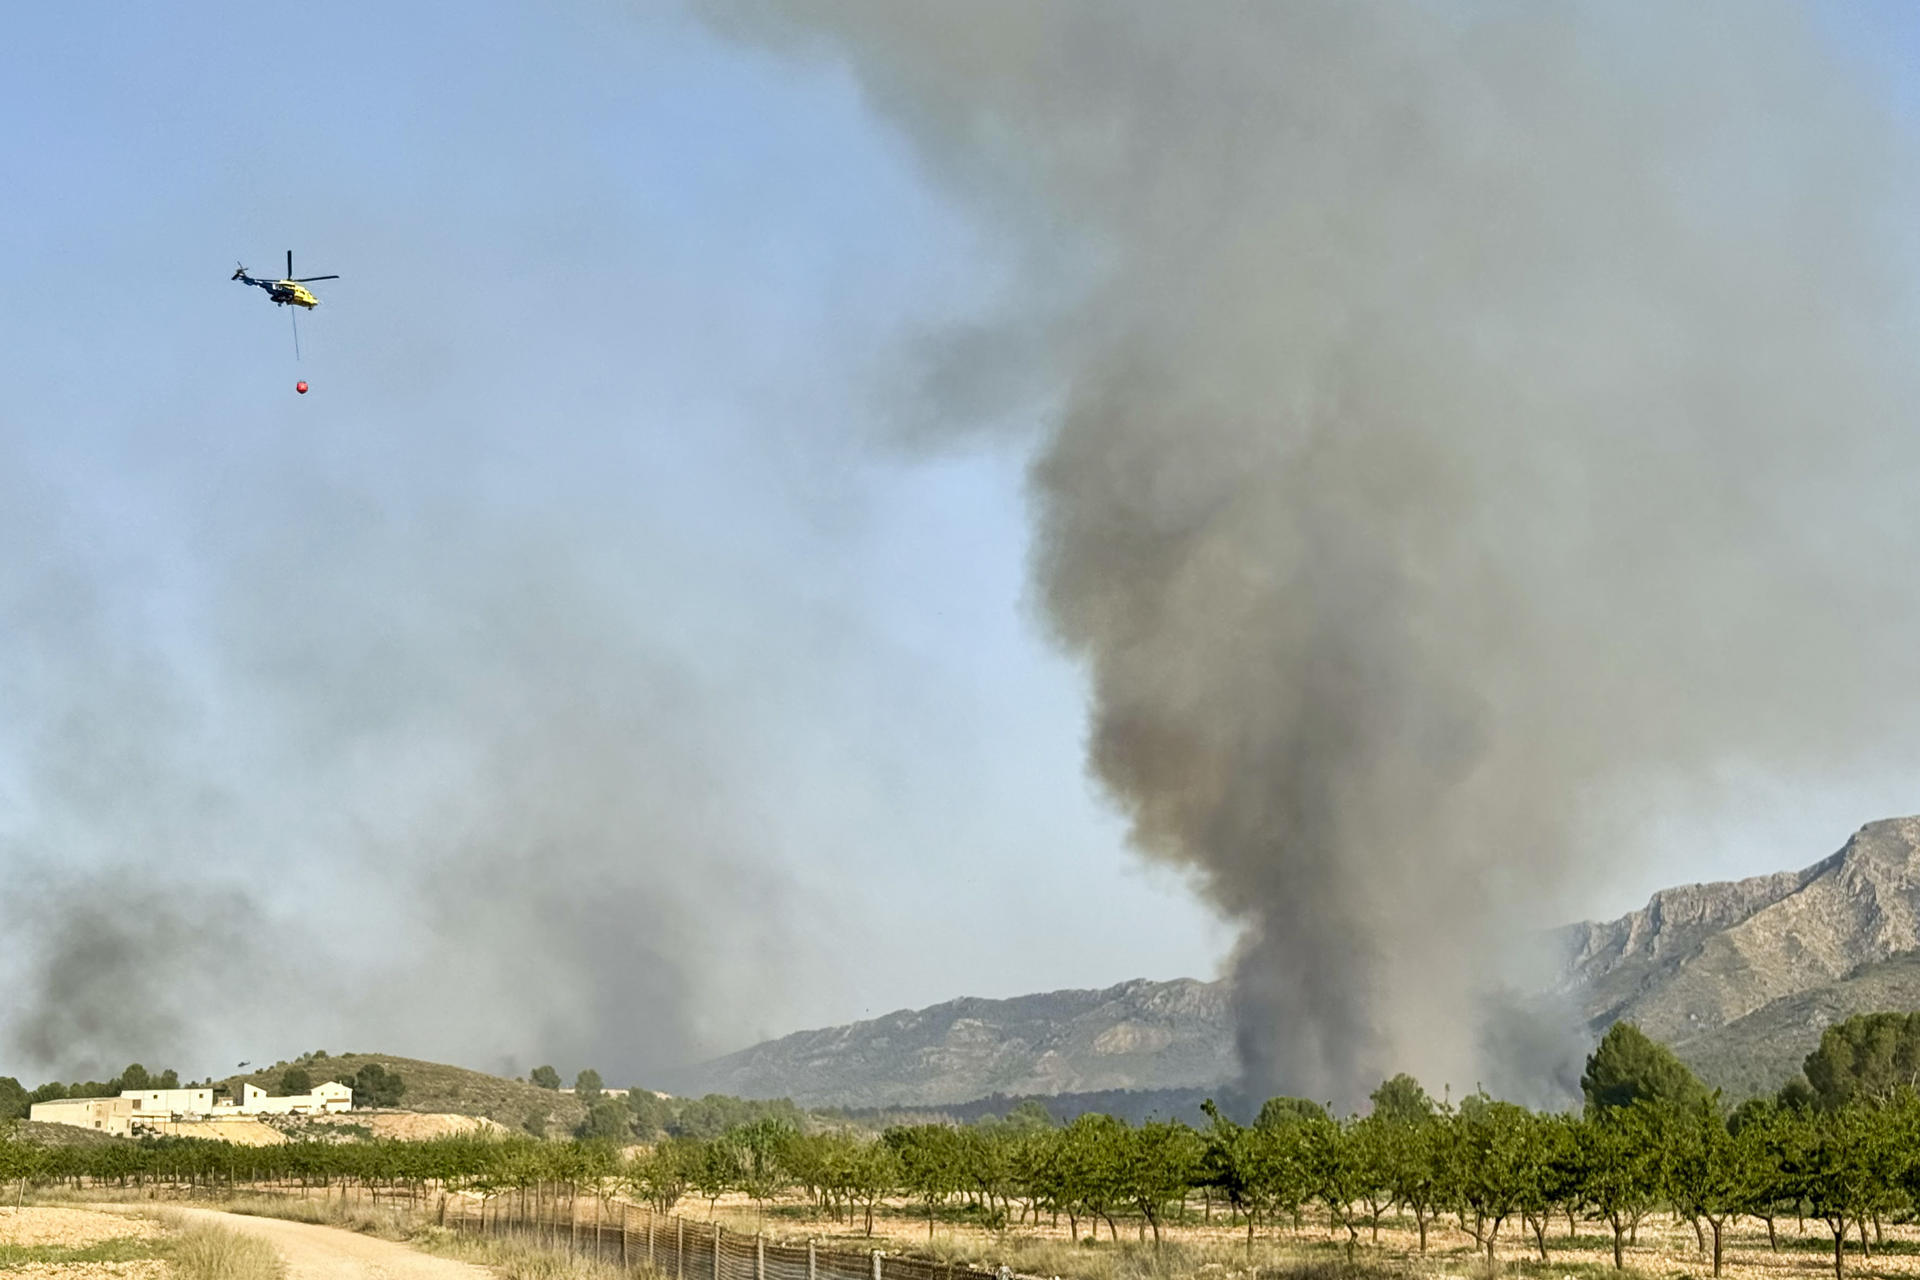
288, 290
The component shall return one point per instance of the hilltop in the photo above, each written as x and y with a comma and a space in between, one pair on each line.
433, 1087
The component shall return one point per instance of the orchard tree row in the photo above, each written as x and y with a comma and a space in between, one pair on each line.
1841, 1146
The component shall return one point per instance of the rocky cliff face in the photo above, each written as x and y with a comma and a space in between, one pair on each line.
1138, 1035
1700, 960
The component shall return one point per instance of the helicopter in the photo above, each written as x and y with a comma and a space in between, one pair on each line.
288, 290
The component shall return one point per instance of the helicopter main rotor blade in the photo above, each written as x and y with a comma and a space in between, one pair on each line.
309, 279
289, 262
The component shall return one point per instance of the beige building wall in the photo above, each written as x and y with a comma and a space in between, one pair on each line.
164, 1104
255, 1101
108, 1115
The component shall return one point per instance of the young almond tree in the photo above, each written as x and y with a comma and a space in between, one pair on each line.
930, 1163
1550, 1157
1709, 1175
1499, 1154
1229, 1165
1620, 1168
1848, 1167
1158, 1164
1375, 1145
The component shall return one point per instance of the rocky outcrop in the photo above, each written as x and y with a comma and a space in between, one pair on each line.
1700, 958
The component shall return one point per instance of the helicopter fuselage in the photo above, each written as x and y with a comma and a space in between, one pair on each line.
284, 292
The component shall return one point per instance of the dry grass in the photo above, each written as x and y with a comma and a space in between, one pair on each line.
1219, 1251
200, 1251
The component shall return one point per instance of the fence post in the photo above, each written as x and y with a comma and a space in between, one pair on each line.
813, 1262
877, 1255
759, 1256
680, 1248
649, 1237
717, 1229
623, 1235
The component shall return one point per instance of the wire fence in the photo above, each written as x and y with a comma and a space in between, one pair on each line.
634, 1237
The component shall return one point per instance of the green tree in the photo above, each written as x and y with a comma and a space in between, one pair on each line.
717, 1172
1550, 1160
1415, 1152
375, 1086
587, 1086
651, 1114
1374, 1143
873, 1173
661, 1176
1402, 1100
1030, 1116
1230, 1164
1276, 1113
1089, 1167
1870, 1057
296, 1080
758, 1147
1847, 1166
608, 1120
1620, 1168
930, 1159
14, 1102
134, 1077
544, 1077
1711, 1175
1158, 1164
1500, 1162
1628, 1067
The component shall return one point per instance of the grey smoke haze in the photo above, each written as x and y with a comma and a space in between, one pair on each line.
426, 788
1475, 422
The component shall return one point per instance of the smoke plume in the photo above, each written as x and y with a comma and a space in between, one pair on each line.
1467, 416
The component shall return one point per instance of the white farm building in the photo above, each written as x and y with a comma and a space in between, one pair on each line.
135, 1108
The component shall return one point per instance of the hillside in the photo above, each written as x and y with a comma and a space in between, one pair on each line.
1741, 977
1755, 1053
1138, 1035
434, 1087
56, 1135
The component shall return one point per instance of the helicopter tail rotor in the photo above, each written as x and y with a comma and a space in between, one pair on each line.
239, 272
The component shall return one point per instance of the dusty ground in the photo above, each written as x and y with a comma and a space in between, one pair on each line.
1666, 1247
328, 1253
38, 1228
70, 1228
240, 1131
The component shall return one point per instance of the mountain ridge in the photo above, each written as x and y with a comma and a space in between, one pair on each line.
1170, 1034
1739, 976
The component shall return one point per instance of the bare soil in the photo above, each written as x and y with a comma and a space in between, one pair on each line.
70, 1228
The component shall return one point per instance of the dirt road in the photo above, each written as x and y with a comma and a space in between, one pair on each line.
328, 1253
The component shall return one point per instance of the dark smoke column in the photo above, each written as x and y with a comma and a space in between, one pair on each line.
1434, 447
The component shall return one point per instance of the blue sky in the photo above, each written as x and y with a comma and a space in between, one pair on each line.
625, 300
601, 279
